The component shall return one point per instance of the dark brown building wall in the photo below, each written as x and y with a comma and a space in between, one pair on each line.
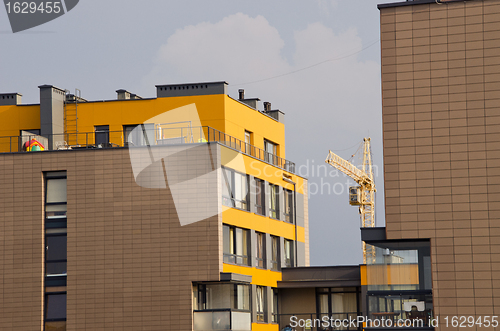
441, 125
130, 263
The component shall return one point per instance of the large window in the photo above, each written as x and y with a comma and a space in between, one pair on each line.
274, 201
235, 245
139, 135
261, 249
223, 296
338, 303
102, 135
275, 253
55, 252
288, 253
289, 206
234, 189
260, 196
55, 196
271, 152
261, 303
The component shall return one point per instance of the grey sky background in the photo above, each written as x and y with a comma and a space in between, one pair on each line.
318, 61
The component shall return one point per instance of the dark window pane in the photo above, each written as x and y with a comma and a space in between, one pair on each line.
102, 135
55, 326
55, 306
55, 268
56, 248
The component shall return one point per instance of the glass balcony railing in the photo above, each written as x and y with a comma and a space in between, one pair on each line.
142, 135
222, 320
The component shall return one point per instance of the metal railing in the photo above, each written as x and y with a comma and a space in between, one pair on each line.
315, 322
143, 137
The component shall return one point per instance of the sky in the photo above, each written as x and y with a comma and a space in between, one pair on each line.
318, 61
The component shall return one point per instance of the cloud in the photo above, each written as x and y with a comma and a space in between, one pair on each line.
237, 46
331, 99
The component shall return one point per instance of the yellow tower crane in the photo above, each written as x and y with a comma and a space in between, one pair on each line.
362, 195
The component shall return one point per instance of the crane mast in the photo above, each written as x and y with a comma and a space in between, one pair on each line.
362, 195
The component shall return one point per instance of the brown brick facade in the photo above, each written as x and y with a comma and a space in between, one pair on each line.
130, 263
441, 125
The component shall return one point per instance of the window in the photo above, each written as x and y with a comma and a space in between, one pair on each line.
223, 296
288, 253
55, 252
248, 142
271, 152
274, 309
55, 311
102, 135
55, 196
289, 206
135, 135
260, 196
338, 303
234, 189
275, 253
55, 249
261, 303
261, 250
274, 201
235, 245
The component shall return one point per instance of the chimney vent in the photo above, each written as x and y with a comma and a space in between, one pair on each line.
10, 99
242, 94
267, 106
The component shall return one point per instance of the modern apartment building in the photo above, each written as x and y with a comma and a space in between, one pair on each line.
169, 213
441, 132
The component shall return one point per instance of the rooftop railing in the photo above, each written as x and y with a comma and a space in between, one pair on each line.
142, 135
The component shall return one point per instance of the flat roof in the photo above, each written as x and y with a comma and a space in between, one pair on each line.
413, 3
328, 276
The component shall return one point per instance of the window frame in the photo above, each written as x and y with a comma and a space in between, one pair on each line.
202, 297
274, 191
54, 176
291, 258
46, 307
260, 247
275, 253
260, 186
260, 316
229, 187
232, 257
270, 156
275, 304
101, 132
289, 205
53, 261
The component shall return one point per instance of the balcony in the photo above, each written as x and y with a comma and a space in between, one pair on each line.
141, 135
222, 320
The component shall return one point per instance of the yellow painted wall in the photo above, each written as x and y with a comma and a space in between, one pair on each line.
240, 117
259, 276
248, 220
13, 119
265, 327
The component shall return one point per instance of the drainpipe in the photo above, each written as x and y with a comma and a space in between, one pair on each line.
288, 180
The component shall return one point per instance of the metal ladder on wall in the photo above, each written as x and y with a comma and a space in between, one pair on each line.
71, 117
